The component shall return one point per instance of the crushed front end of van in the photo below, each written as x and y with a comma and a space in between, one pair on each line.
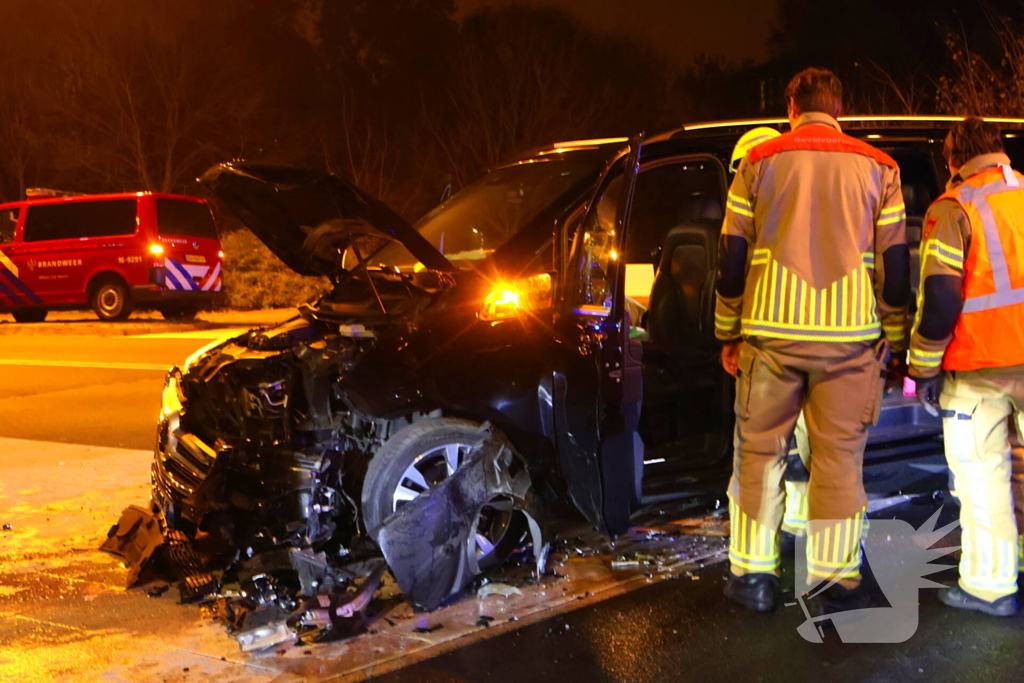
278, 488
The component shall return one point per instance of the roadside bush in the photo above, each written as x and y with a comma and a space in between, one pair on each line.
255, 278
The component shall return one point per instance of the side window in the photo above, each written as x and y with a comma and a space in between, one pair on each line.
670, 195
8, 221
185, 219
75, 220
1014, 145
595, 252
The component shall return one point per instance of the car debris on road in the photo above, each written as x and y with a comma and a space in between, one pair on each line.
273, 588
302, 596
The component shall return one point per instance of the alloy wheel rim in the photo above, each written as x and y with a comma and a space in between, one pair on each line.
434, 466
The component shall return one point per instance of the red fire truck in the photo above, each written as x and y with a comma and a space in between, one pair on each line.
111, 253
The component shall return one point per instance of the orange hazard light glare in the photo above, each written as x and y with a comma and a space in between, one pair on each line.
508, 299
156, 249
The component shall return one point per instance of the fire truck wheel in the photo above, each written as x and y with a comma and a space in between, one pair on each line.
30, 315
179, 313
110, 300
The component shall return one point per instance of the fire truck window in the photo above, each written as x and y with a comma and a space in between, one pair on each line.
8, 221
185, 219
75, 220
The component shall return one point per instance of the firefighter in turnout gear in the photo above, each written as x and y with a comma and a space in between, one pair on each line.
970, 324
794, 519
813, 279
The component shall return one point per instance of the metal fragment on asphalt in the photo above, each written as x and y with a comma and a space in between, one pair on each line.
502, 589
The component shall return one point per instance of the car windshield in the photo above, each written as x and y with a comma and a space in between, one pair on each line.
478, 220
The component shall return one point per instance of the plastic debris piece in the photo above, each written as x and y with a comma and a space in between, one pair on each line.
8, 527
502, 589
361, 598
542, 560
265, 636
134, 539
157, 590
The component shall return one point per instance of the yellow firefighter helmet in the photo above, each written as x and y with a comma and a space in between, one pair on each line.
751, 139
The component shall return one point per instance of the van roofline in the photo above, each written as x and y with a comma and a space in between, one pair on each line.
98, 197
704, 125
710, 127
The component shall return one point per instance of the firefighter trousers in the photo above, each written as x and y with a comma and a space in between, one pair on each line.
986, 473
794, 519
839, 387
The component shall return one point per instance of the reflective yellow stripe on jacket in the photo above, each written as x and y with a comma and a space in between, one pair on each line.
786, 307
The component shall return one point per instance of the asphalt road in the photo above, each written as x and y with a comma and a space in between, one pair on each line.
686, 631
98, 391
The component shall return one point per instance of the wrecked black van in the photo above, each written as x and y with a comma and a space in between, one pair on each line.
543, 336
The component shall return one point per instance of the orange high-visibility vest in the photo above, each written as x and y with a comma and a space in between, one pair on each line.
990, 330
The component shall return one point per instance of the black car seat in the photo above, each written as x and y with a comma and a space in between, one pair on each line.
680, 320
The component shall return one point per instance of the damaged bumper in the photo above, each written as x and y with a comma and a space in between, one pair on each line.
315, 573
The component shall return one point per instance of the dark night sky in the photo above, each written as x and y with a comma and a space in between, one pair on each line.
680, 29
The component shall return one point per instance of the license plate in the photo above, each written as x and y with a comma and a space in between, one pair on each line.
195, 258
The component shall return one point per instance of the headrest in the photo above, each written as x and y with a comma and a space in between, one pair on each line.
917, 198
700, 207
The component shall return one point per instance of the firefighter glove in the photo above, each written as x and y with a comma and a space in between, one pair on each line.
928, 391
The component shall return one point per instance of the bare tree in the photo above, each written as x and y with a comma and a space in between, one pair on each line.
523, 77
150, 91
987, 82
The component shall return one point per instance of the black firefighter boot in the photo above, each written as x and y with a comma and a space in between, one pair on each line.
838, 598
757, 592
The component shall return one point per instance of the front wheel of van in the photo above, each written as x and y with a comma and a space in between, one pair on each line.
110, 301
30, 315
423, 455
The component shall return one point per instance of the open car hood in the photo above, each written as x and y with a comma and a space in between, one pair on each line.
308, 218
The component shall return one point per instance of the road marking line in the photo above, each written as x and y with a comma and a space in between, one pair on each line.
76, 629
221, 333
162, 367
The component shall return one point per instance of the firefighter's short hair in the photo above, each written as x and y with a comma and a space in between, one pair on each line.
816, 90
969, 138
